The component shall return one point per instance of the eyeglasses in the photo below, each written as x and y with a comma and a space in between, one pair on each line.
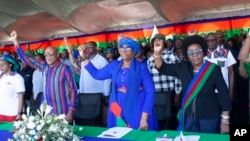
192, 52
89, 47
49, 54
211, 40
125, 49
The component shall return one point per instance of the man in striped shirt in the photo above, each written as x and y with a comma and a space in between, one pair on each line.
60, 89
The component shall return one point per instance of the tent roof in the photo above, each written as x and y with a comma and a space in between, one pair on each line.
42, 19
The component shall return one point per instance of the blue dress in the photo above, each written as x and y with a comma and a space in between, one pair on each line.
142, 98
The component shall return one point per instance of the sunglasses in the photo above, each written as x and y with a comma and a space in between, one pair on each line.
49, 54
125, 49
192, 52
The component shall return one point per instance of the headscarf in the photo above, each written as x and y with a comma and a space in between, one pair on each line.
132, 89
11, 60
129, 42
111, 50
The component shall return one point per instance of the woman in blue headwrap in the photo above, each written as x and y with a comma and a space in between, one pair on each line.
132, 94
110, 54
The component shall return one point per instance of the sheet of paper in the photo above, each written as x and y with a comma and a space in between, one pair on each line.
163, 139
188, 138
115, 132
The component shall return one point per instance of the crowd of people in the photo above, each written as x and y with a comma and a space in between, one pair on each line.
204, 79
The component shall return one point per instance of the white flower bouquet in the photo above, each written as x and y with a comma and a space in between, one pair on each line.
43, 127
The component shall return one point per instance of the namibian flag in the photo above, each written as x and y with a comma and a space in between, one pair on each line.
116, 110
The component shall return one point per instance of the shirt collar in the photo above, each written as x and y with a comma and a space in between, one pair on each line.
56, 64
12, 73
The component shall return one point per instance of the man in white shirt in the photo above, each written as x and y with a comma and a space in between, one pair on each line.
222, 57
37, 80
87, 83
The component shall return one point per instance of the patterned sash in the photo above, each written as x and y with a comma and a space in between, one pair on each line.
193, 89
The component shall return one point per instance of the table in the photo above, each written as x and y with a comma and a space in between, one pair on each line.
89, 131
134, 135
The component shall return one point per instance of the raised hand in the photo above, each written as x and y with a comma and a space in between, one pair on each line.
191, 32
69, 48
158, 47
81, 50
13, 37
119, 37
65, 40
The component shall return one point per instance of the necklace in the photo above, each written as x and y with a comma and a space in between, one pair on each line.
195, 71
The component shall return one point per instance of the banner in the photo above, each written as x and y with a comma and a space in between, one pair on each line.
230, 25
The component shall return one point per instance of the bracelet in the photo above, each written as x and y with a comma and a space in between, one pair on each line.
225, 121
157, 55
225, 117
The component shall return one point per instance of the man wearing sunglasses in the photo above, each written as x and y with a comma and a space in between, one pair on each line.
222, 57
59, 85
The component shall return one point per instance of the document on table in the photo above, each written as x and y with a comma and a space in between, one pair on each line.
181, 137
115, 132
188, 138
164, 138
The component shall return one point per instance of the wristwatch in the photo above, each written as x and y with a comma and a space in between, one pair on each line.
82, 58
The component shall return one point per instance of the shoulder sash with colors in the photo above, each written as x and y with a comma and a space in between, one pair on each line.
193, 89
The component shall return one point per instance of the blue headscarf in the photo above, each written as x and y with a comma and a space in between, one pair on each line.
111, 50
129, 42
132, 89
